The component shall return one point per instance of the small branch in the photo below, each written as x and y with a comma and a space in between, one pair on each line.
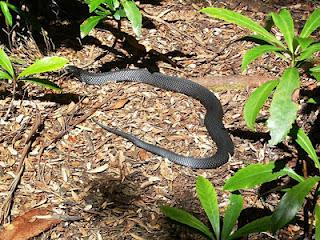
75, 123
6, 206
14, 82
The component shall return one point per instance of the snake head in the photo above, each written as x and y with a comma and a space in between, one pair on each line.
75, 71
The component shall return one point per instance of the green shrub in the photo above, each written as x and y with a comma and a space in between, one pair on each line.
45, 64
296, 50
115, 8
209, 201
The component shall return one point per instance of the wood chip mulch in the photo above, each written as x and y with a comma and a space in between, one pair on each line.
103, 187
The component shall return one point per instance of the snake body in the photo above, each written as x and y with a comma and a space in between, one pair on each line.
212, 121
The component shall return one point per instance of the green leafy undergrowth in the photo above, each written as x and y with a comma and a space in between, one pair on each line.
117, 9
209, 201
43, 65
295, 49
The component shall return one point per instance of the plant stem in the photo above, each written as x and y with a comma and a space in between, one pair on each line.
14, 82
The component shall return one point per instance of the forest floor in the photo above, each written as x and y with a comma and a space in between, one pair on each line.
105, 186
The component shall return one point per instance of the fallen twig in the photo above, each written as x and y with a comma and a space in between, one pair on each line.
6, 206
75, 123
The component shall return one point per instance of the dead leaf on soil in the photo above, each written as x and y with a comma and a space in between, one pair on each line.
120, 104
29, 225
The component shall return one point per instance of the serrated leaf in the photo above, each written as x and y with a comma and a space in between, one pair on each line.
231, 215
291, 202
305, 143
4, 75
43, 83
186, 218
6, 13
313, 22
242, 21
283, 111
209, 201
253, 175
308, 52
256, 52
89, 24
45, 64
260, 225
284, 22
94, 4
317, 220
134, 16
255, 102
5, 62
304, 42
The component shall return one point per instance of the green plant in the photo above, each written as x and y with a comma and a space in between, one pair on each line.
209, 201
294, 198
116, 8
5, 7
296, 50
45, 64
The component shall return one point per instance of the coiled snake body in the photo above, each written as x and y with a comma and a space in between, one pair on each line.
212, 121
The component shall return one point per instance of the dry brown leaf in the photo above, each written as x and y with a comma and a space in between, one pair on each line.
120, 103
143, 154
28, 225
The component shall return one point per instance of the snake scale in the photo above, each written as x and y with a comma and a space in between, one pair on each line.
212, 120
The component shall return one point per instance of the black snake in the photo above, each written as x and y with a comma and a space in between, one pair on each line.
212, 121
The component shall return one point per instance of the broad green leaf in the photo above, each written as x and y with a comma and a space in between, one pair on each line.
89, 24
94, 4
115, 3
283, 111
317, 218
209, 201
315, 72
134, 15
6, 12
314, 100
119, 14
313, 22
308, 52
304, 42
316, 75
256, 101
260, 225
256, 52
305, 143
291, 173
291, 202
315, 69
284, 22
258, 39
45, 64
186, 218
253, 175
43, 83
231, 215
242, 21
4, 75
5, 62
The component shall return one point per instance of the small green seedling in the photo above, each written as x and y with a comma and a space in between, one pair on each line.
45, 64
296, 49
115, 8
209, 201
